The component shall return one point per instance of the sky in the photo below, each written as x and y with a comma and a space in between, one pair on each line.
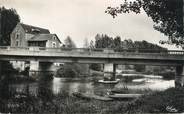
82, 19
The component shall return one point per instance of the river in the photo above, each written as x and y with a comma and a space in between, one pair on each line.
87, 85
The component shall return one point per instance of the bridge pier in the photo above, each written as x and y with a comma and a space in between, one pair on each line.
109, 72
179, 77
38, 69
34, 69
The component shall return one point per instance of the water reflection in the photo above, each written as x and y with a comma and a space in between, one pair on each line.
84, 86
70, 85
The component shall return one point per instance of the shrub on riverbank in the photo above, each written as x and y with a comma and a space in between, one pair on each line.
171, 100
95, 67
168, 75
72, 70
68, 70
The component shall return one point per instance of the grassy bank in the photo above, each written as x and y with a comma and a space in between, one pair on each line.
171, 100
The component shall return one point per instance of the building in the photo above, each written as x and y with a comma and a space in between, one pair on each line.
44, 40
26, 35
30, 36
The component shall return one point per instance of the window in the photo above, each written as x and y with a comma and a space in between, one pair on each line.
17, 36
17, 39
53, 44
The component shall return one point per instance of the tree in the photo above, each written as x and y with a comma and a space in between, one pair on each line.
166, 14
117, 43
72, 69
91, 45
86, 43
69, 43
128, 44
104, 41
8, 20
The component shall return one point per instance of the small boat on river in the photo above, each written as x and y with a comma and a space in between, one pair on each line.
91, 96
109, 82
124, 96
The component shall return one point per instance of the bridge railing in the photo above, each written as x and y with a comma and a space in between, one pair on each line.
141, 51
175, 52
71, 49
171, 52
14, 48
95, 50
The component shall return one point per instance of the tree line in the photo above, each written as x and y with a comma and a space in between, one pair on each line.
105, 41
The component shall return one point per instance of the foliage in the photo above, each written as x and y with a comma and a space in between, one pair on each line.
91, 45
168, 75
46, 76
158, 102
8, 20
68, 70
139, 68
7, 67
96, 67
117, 42
72, 70
69, 43
104, 41
166, 14
44, 102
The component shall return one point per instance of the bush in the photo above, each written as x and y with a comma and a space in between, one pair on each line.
139, 68
168, 75
46, 76
96, 67
68, 70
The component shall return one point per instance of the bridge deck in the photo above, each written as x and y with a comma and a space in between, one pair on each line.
173, 57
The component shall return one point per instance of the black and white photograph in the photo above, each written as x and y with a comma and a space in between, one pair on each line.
91, 56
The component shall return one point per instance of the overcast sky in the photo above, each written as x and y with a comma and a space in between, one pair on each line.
82, 19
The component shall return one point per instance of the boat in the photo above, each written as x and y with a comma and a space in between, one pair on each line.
109, 82
124, 96
91, 96
139, 80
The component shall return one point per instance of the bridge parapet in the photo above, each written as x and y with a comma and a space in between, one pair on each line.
96, 50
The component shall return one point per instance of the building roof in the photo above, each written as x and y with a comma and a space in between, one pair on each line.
32, 29
43, 37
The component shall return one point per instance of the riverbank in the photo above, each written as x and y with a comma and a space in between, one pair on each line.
170, 100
